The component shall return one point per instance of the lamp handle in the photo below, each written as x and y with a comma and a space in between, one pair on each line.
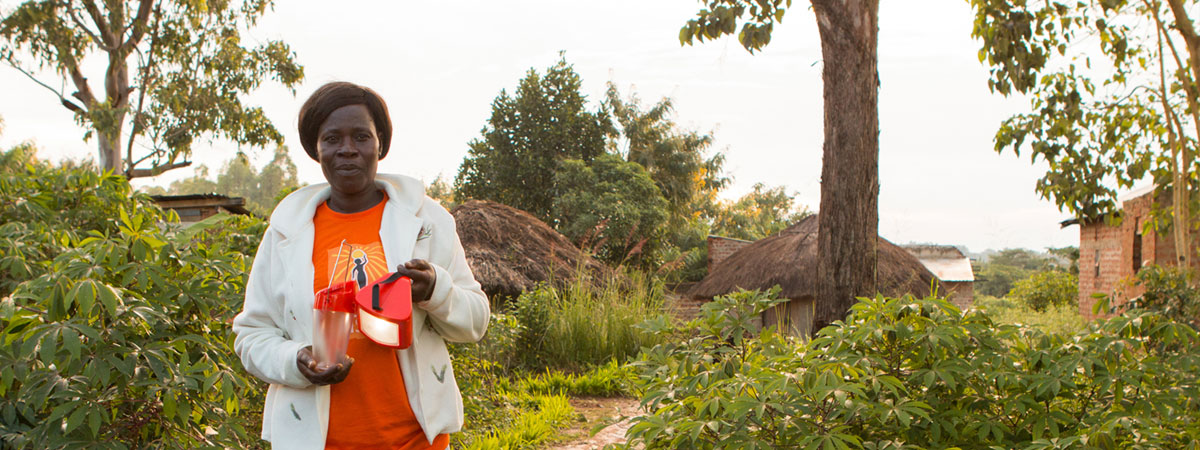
396, 276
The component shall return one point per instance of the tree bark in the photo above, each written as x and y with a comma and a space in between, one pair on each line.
1182, 191
849, 212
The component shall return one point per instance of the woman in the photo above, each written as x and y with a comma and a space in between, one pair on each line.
358, 223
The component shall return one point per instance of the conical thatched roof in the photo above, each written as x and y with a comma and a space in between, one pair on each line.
789, 259
510, 250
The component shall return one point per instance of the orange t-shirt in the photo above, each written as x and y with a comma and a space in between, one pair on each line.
369, 409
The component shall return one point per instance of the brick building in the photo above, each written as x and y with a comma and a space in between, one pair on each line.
720, 247
1110, 255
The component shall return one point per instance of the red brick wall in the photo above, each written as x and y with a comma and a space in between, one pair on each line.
720, 248
1115, 247
1100, 263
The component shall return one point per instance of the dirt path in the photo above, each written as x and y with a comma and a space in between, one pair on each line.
612, 411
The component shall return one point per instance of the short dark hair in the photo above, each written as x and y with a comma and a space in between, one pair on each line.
328, 98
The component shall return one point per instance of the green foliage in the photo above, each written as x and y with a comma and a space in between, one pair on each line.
442, 191
997, 279
919, 373
1046, 288
1110, 92
1168, 292
610, 206
532, 311
1001, 271
113, 333
758, 214
581, 325
687, 177
527, 136
1057, 319
262, 190
1023, 259
1070, 254
574, 340
675, 159
501, 413
187, 82
531, 429
720, 17
609, 380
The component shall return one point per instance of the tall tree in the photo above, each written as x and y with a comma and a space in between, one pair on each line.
175, 71
528, 135
676, 159
1113, 98
849, 220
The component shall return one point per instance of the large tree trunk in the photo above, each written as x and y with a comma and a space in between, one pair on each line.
849, 214
110, 154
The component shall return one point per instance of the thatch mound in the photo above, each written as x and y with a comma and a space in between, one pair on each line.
789, 259
510, 250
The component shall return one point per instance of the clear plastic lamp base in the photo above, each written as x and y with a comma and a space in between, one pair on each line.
331, 335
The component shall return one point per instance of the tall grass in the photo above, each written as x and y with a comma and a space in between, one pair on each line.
584, 324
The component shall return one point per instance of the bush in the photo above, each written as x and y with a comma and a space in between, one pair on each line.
114, 333
1046, 288
1167, 292
919, 373
1064, 320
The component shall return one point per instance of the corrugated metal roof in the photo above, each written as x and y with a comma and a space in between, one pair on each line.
203, 196
1135, 193
958, 269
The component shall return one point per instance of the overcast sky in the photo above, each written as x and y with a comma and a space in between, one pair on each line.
440, 64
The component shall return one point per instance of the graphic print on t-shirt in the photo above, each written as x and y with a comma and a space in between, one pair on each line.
358, 262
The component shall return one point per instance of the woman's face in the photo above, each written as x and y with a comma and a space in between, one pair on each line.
348, 147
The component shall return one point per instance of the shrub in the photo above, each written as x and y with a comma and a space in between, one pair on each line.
1064, 320
1167, 292
114, 333
1046, 288
919, 373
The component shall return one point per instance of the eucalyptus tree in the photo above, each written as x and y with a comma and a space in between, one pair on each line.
174, 71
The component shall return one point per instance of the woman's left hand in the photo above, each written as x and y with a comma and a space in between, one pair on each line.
423, 277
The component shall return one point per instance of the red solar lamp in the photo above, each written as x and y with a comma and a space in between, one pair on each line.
385, 311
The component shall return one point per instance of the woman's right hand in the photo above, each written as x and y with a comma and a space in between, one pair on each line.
322, 374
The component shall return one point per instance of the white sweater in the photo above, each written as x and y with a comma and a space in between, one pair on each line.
276, 319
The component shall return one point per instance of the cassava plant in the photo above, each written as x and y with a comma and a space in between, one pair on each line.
113, 332
908, 373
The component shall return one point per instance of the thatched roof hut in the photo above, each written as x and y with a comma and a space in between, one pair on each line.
510, 250
789, 259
